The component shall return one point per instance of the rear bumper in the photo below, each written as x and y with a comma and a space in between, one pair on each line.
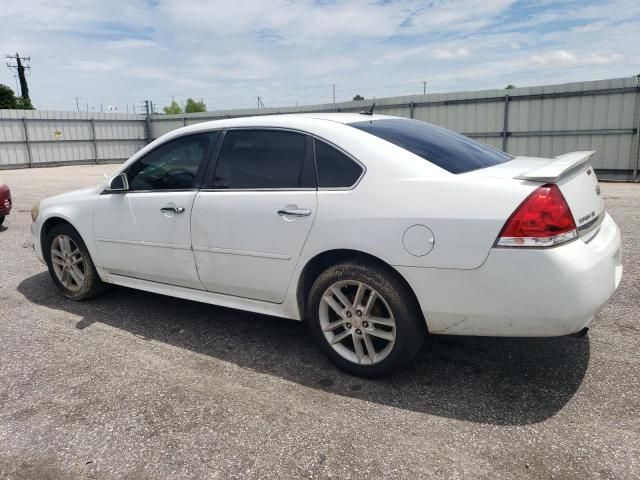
523, 292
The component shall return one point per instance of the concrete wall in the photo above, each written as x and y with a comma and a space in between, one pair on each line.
539, 121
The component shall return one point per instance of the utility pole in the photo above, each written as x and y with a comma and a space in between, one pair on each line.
334, 97
260, 104
148, 106
77, 105
424, 87
635, 170
20, 68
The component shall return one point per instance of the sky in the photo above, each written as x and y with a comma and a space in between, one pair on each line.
121, 52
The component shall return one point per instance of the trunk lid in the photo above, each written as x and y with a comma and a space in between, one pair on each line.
571, 172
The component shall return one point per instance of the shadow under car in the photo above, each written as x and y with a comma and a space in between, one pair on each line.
502, 381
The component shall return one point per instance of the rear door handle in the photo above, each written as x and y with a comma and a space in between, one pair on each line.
295, 212
172, 209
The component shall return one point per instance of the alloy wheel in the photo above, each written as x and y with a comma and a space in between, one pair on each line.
357, 322
68, 262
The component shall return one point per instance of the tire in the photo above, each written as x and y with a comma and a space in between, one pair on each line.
72, 285
386, 313
2, 217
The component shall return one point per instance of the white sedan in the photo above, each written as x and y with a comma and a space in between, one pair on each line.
374, 229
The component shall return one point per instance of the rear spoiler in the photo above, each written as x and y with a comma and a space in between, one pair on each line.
556, 168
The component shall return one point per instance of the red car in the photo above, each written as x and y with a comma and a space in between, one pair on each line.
5, 201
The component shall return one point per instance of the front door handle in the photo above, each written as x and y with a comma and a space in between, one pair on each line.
295, 212
172, 209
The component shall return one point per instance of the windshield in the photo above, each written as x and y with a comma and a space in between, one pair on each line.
444, 148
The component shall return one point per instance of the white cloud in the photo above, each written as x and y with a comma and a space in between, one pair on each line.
589, 28
564, 57
559, 57
444, 54
123, 51
92, 66
131, 43
596, 59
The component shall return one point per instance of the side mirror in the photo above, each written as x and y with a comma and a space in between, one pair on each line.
119, 183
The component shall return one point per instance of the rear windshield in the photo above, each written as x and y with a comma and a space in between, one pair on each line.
444, 148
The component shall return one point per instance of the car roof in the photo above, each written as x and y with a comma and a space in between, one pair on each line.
332, 127
341, 117
282, 120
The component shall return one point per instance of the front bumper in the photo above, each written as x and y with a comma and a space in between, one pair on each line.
523, 292
35, 240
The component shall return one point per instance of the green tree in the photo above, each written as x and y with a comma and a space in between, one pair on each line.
358, 97
173, 108
24, 104
509, 87
193, 107
8, 99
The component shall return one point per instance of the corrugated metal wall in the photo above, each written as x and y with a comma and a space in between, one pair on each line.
542, 121
538, 121
68, 137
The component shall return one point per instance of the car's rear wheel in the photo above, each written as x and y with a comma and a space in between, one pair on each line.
1, 219
70, 264
365, 319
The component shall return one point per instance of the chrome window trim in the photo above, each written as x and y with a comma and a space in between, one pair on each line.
131, 192
255, 127
257, 190
306, 133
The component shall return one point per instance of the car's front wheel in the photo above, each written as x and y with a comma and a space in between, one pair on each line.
70, 264
1, 219
365, 319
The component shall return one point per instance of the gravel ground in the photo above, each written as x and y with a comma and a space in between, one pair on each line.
140, 386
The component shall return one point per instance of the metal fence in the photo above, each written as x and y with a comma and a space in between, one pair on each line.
541, 121
30, 138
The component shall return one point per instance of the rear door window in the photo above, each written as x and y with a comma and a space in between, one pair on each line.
440, 146
264, 159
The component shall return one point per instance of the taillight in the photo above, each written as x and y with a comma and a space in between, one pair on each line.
544, 219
